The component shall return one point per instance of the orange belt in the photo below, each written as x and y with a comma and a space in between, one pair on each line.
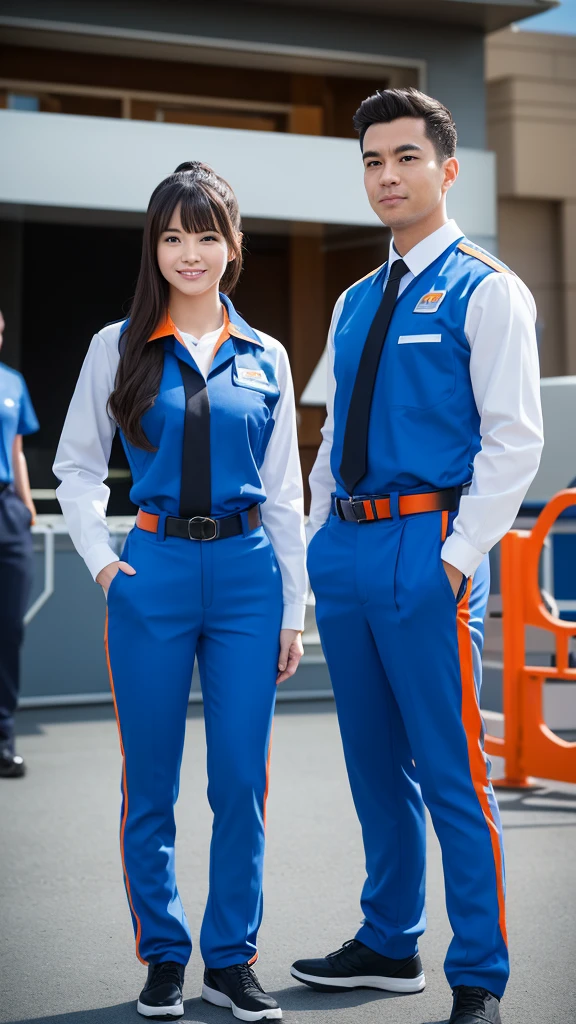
201, 527
367, 510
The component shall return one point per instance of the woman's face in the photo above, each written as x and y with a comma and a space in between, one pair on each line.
191, 263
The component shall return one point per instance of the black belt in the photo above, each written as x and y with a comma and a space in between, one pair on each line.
201, 527
378, 506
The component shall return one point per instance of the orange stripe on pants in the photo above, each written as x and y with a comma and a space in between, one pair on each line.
472, 721
268, 771
125, 794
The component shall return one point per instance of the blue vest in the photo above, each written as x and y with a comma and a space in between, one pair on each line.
424, 428
242, 390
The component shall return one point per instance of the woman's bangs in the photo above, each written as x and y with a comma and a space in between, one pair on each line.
199, 212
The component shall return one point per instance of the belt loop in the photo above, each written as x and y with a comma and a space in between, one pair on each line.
245, 524
161, 531
394, 504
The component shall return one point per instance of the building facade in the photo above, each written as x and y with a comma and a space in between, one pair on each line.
101, 101
531, 118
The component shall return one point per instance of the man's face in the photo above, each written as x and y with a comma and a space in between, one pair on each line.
403, 176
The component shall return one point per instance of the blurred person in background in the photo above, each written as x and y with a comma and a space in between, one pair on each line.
17, 514
215, 565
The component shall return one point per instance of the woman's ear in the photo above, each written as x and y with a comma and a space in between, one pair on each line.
232, 256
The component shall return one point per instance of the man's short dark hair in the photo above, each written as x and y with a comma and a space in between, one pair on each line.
389, 104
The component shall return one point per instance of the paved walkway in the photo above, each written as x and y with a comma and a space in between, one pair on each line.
66, 945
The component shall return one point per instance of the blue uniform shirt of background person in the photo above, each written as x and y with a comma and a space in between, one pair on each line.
17, 416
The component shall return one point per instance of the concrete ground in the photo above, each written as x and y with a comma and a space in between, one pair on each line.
66, 943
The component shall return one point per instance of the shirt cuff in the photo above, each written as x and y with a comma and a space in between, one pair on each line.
293, 617
461, 554
98, 556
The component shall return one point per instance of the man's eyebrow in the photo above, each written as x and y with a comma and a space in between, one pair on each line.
405, 148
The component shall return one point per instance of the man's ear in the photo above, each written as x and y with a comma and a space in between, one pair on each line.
451, 168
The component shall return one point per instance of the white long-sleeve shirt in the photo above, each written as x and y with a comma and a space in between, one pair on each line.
505, 377
84, 450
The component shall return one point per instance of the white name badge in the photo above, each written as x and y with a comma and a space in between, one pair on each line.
251, 376
418, 339
429, 303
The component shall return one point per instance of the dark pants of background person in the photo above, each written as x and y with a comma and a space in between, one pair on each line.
16, 568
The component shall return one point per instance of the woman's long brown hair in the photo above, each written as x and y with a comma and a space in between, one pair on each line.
207, 203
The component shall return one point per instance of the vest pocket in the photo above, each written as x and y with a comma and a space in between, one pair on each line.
423, 375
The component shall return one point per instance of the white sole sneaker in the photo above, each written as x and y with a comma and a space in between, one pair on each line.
212, 995
406, 985
161, 1012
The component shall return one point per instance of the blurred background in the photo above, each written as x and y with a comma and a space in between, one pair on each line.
101, 100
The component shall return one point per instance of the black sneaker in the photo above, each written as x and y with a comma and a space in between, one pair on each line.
357, 966
474, 1006
238, 988
161, 997
11, 765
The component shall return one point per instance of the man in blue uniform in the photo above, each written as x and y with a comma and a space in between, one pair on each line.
17, 417
433, 435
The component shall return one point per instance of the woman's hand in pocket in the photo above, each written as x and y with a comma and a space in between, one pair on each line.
291, 650
107, 574
455, 576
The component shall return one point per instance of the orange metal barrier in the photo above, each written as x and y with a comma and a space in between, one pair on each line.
529, 747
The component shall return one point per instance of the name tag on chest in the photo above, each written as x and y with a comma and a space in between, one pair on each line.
250, 376
430, 302
418, 339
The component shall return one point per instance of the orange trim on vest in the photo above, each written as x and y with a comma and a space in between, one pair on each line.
125, 793
253, 960
444, 525
483, 257
166, 329
224, 334
366, 276
472, 722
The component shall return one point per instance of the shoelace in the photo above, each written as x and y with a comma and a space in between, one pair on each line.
168, 971
348, 947
471, 999
246, 977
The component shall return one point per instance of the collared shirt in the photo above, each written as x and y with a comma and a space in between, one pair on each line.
201, 349
504, 374
17, 416
84, 450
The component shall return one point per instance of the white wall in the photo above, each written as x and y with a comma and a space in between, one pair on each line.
61, 160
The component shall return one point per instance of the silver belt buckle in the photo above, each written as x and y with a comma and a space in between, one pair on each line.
203, 519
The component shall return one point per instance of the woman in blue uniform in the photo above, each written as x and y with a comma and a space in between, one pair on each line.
17, 512
214, 567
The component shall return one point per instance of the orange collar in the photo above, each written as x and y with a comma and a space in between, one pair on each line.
168, 328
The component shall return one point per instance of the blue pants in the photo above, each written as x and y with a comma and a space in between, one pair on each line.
223, 602
405, 663
16, 571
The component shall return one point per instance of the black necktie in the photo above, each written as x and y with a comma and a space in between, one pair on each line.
355, 448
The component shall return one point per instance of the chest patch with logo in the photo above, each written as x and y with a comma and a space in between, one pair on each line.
250, 376
9, 402
429, 303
